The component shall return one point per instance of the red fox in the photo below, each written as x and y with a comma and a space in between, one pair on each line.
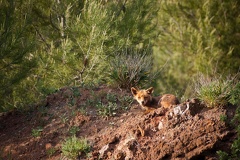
148, 102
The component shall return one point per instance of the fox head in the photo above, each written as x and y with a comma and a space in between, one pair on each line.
142, 96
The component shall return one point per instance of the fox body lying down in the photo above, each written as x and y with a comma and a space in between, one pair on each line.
147, 101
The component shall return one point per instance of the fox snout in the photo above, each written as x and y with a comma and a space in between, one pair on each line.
143, 102
142, 96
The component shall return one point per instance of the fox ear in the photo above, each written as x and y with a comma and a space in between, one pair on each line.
150, 90
134, 91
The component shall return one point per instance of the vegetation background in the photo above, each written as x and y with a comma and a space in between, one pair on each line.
46, 45
185, 47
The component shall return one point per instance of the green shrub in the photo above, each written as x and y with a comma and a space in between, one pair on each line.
73, 147
195, 38
17, 62
107, 110
73, 130
223, 118
42, 52
235, 148
37, 132
111, 97
125, 102
132, 68
216, 91
50, 152
222, 155
234, 153
235, 94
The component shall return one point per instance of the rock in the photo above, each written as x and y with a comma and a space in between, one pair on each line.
124, 148
103, 150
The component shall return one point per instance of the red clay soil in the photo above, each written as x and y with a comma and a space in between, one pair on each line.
197, 133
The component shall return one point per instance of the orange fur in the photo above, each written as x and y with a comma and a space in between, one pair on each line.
148, 102
168, 100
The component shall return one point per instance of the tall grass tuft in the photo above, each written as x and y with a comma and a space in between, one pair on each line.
216, 91
132, 68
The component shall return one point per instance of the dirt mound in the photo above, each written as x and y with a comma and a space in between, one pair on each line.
160, 135
186, 131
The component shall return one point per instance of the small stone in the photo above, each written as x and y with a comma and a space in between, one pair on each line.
48, 145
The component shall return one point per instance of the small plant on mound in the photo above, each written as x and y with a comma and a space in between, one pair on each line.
126, 102
216, 91
222, 155
50, 152
37, 132
73, 130
234, 99
73, 147
235, 95
234, 153
107, 110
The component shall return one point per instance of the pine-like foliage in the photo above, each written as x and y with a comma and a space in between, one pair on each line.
197, 37
66, 42
73, 58
91, 38
16, 60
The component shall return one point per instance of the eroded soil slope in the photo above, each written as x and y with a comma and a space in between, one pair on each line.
187, 131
